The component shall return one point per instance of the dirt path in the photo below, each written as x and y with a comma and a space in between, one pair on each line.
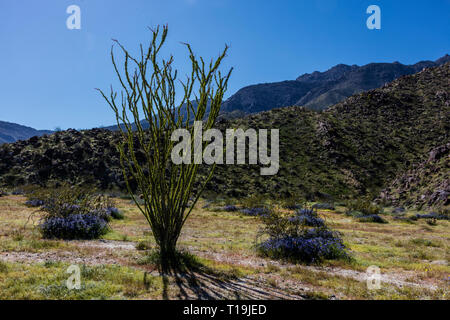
56, 256
397, 279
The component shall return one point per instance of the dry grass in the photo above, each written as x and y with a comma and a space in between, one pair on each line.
413, 258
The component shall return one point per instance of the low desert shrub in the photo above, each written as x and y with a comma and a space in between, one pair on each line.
143, 245
307, 217
115, 213
372, 218
74, 212
292, 238
75, 226
230, 208
363, 206
292, 203
309, 250
17, 192
294, 206
108, 213
354, 214
309, 221
433, 215
104, 206
375, 218
364, 211
306, 211
255, 201
61, 201
68, 200
34, 203
398, 210
207, 204
255, 211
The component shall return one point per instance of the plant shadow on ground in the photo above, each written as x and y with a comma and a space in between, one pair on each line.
196, 280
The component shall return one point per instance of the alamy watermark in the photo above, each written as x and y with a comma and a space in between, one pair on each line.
374, 20
74, 281
373, 278
74, 20
213, 152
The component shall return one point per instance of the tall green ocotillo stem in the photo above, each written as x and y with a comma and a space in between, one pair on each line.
148, 93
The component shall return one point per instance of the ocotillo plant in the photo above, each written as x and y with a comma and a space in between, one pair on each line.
149, 93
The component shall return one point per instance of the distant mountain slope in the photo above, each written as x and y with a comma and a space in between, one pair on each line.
319, 90
356, 147
11, 132
145, 124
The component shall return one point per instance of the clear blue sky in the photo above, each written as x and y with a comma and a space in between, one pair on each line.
48, 73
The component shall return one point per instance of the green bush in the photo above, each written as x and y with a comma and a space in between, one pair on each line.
75, 226
372, 218
254, 201
292, 203
71, 212
363, 206
67, 200
294, 239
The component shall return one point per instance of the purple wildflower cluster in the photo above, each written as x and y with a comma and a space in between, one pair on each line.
230, 208
432, 215
114, 213
17, 192
34, 203
75, 226
304, 249
307, 220
255, 211
305, 211
304, 237
73, 221
55, 208
372, 218
108, 213
67, 209
307, 217
366, 217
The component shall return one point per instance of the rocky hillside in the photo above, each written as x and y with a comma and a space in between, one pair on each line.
88, 156
319, 90
11, 132
356, 147
426, 184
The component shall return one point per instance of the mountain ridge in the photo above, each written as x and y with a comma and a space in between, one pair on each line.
316, 90
319, 90
11, 132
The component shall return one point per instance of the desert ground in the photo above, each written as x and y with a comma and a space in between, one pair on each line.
412, 256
